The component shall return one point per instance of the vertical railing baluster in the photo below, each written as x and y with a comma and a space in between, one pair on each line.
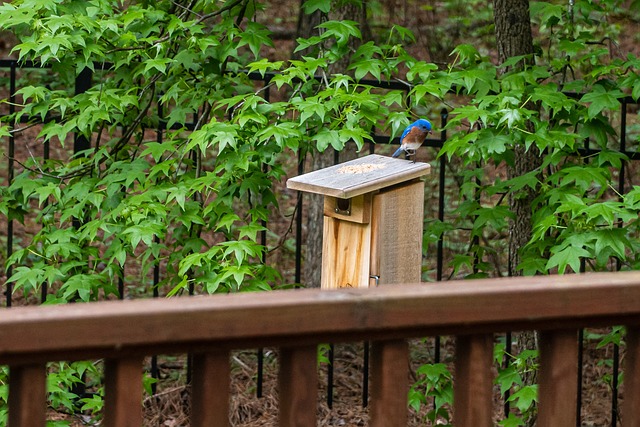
473, 387
210, 389
558, 377
298, 386
630, 407
390, 383
27, 396
123, 392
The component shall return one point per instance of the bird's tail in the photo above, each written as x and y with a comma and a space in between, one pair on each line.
398, 152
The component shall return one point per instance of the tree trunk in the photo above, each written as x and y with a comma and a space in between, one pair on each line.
514, 38
354, 11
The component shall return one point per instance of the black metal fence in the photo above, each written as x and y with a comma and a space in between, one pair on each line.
10, 76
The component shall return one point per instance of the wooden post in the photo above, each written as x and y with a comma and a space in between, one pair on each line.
558, 378
473, 388
210, 387
631, 404
27, 396
298, 386
373, 215
123, 392
390, 376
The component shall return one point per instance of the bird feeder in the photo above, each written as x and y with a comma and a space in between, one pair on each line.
373, 218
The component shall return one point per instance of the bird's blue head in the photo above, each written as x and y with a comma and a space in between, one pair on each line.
423, 124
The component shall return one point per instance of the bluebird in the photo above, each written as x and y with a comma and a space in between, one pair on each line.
413, 137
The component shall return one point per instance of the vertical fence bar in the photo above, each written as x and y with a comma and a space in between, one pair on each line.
331, 357
123, 392
616, 348
83, 83
298, 268
210, 390
298, 386
27, 396
155, 373
10, 171
390, 378
473, 388
365, 375
507, 356
444, 114
44, 287
263, 260
558, 378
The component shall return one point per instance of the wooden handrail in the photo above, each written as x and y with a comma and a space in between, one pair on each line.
210, 326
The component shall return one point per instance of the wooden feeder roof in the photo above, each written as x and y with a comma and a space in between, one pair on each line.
359, 176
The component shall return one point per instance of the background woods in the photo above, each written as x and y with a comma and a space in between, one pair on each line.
145, 145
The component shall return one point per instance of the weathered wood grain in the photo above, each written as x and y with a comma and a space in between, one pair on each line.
345, 254
389, 383
27, 396
77, 331
123, 392
473, 381
359, 176
558, 378
631, 403
298, 386
210, 387
360, 208
396, 230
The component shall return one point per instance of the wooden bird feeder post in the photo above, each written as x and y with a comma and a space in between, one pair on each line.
372, 234
373, 218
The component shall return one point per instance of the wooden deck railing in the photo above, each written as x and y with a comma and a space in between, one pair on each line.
123, 332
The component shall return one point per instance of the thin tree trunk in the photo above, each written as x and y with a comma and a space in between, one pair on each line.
514, 38
354, 11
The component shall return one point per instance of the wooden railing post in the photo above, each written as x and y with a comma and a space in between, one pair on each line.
123, 392
27, 396
298, 386
558, 382
631, 404
389, 383
473, 387
210, 387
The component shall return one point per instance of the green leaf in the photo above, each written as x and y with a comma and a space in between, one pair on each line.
512, 421
325, 138
525, 397
568, 256
255, 36
601, 99
508, 378
27, 277
310, 6
341, 30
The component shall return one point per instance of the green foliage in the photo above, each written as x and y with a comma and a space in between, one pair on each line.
511, 379
435, 382
579, 216
194, 197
